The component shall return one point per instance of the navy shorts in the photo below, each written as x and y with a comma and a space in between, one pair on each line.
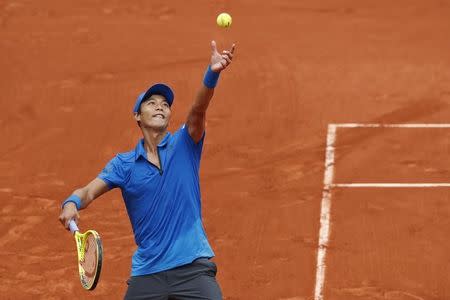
196, 280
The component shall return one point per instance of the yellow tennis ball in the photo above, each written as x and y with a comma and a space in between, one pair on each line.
224, 20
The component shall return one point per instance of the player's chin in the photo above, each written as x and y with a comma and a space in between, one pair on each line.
160, 124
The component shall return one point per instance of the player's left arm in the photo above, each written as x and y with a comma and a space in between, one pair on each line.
197, 114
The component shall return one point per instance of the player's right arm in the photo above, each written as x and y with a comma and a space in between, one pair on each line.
87, 194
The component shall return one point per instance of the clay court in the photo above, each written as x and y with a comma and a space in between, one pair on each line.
296, 206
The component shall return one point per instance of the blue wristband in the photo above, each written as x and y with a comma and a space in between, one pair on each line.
211, 78
74, 199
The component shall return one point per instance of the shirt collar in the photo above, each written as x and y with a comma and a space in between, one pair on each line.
140, 150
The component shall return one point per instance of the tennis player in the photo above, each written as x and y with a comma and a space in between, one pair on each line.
159, 180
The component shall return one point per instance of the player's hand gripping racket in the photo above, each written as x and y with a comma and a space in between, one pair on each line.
89, 248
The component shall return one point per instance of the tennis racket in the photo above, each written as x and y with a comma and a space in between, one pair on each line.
90, 250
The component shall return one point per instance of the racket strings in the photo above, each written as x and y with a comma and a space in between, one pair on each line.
89, 263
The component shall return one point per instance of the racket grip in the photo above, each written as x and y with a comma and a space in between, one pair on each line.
73, 226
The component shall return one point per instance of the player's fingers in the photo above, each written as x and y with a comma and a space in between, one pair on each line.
232, 48
227, 59
66, 223
213, 46
228, 53
61, 219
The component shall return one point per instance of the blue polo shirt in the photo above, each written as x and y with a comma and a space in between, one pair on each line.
164, 205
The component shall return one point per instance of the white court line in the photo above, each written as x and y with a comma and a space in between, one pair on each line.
391, 185
324, 232
325, 212
358, 125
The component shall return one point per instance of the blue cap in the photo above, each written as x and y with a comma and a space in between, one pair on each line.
157, 89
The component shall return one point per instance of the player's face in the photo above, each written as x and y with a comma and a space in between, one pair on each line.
154, 113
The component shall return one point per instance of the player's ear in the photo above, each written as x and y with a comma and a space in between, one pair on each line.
137, 116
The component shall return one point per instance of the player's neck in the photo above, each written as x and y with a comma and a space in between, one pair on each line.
152, 139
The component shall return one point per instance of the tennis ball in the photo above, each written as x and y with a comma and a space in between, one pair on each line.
224, 20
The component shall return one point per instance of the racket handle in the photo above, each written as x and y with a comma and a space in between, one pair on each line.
73, 226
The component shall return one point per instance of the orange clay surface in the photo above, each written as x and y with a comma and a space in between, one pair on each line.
71, 70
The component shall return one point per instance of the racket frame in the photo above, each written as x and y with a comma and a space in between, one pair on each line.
80, 239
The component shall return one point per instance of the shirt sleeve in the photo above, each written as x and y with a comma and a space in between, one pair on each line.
112, 174
195, 147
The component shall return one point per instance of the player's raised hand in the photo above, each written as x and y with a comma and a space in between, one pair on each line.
219, 61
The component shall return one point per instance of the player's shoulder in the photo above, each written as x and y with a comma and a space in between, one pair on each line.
179, 130
183, 131
121, 163
125, 157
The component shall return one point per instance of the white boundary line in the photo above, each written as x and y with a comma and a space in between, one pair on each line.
324, 232
325, 212
390, 185
357, 125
